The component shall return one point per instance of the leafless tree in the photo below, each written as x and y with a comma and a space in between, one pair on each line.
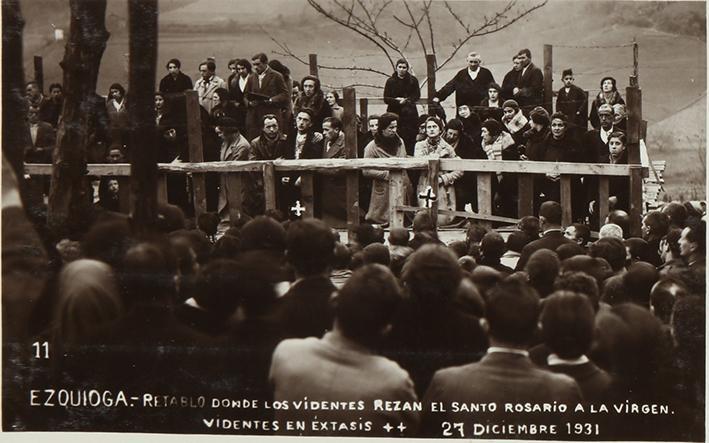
365, 18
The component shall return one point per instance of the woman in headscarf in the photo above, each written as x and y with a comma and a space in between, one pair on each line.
401, 92
608, 95
434, 146
386, 144
313, 98
514, 120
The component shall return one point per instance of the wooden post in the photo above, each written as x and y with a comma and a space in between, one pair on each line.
196, 150
269, 185
39, 72
643, 130
635, 59
585, 93
307, 196
636, 201
566, 216
313, 59
485, 194
635, 116
525, 193
548, 77
162, 188
124, 194
363, 111
396, 198
235, 184
603, 191
431, 74
349, 123
434, 170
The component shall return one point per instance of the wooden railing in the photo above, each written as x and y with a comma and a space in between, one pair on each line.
397, 167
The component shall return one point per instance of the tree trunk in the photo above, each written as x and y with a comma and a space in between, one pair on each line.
143, 16
70, 198
14, 105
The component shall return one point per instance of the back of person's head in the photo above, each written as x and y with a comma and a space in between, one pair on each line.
423, 222
398, 236
663, 296
275, 214
543, 267
475, 233
687, 326
598, 268
492, 246
469, 299
658, 223
531, 226
467, 263
550, 213
638, 283
87, 301
376, 253
218, 287
610, 230
612, 250
583, 233
227, 247
310, 247
147, 275
342, 257
517, 240
581, 283
568, 250
672, 240
512, 311
367, 234
567, 324
256, 274
432, 275
207, 222
263, 233
366, 304
184, 254
676, 213
638, 249
107, 241
620, 218
170, 218
485, 278
459, 248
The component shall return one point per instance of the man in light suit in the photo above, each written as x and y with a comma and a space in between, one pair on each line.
207, 84
342, 366
529, 91
234, 147
265, 93
505, 375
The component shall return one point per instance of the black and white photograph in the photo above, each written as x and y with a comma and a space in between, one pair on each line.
400, 219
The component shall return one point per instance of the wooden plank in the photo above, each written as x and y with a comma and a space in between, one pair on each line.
535, 167
566, 216
39, 72
162, 189
431, 77
485, 193
196, 150
307, 193
349, 122
635, 116
636, 202
124, 199
235, 184
603, 192
269, 185
433, 174
364, 109
313, 64
352, 196
464, 214
396, 198
548, 77
525, 192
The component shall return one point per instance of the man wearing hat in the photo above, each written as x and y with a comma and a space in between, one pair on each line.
595, 141
572, 101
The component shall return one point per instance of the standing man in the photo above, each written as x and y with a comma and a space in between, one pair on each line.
470, 84
272, 144
175, 81
237, 89
529, 92
207, 84
332, 186
52, 109
595, 141
572, 101
265, 93
234, 147
511, 80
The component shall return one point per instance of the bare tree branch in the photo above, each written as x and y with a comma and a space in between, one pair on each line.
457, 18
427, 13
415, 26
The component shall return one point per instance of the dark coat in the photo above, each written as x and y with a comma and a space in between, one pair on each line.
175, 85
466, 187
305, 310
531, 88
551, 240
237, 95
600, 100
593, 146
467, 91
509, 83
408, 88
41, 150
574, 105
272, 86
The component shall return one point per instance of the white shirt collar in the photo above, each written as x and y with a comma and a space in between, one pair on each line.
555, 360
503, 350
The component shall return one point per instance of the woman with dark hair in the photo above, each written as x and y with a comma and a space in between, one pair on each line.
313, 98
608, 95
535, 136
117, 114
434, 146
386, 144
223, 106
172, 146
499, 145
333, 99
286, 111
401, 92
493, 102
618, 187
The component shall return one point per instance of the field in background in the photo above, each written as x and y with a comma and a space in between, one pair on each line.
672, 67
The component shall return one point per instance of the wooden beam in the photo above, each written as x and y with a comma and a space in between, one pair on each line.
269, 185
313, 62
124, 194
603, 194
434, 170
352, 196
431, 77
162, 189
236, 185
548, 77
525, 193
636, 202
349, 122
635, 115
39, 72
565, 183
484, 193
363, 110
307, 192
196, 150
464, 214
396, 198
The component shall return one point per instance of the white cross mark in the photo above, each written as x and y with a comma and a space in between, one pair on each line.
297, 209
428, 195
387, 427
401, 427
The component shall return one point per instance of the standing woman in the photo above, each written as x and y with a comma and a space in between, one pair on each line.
223, 107
117, 114
401, 92
386, 144
333, 99
434, 147
313, 98
493, 102
608, 95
